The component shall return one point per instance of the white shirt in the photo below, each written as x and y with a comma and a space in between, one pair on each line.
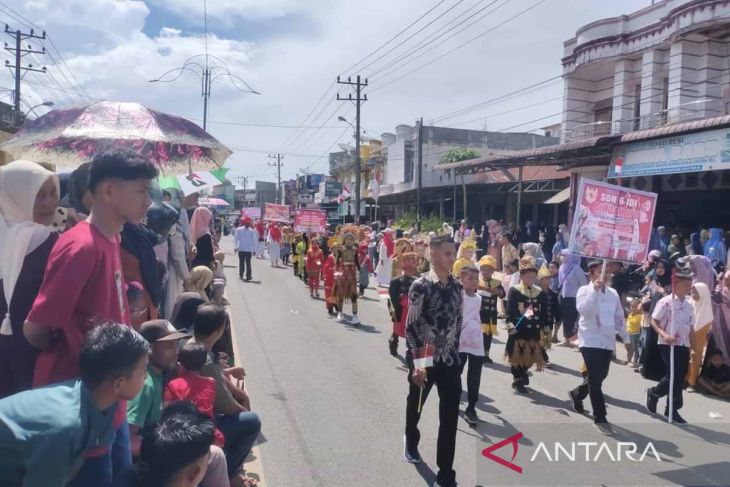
246, 239
676, 317
601, 318
471, 340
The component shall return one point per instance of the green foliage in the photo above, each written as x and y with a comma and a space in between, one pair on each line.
456, 155
430, 223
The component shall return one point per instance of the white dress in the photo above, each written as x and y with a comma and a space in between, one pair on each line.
384, 268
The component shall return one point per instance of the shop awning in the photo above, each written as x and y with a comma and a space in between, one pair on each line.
559, 197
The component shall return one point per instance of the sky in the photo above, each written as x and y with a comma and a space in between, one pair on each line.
291, 51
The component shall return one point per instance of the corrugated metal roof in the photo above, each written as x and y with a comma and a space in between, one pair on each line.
676, 128
529, 173
525, 154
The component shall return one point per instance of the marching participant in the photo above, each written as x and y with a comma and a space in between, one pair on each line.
471, 342
489, 290
466, 255
346, 283
398, 299
314, 266
526, 317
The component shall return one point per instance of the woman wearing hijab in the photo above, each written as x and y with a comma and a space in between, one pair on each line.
560, 242
702, 307
201, 238
652, 365
570, 278
139, 263
200, 279
696, 244
715, 248
720, 332
28, 201
533, 250
183, 313
384, 268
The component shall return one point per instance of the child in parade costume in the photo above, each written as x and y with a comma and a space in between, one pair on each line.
490, 289
301, 251
526, 318
296, 256
315, 257
423, 265
328, 277
348, 266
383, 271
402, 245
471, 343
366, 266
398, 299
286, 239
465, 256
552, 310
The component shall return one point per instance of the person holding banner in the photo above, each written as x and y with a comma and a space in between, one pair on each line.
673, 320
526, 319
433, 329
601, 319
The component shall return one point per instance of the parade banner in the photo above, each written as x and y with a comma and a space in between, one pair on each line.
252, 213
310, 221
612, 222
277, 213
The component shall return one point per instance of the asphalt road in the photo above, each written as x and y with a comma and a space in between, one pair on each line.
332, 400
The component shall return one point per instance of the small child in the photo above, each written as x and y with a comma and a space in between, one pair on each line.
315, 257
366, 267
328, 278
552, 308
715, 376
398, 299
471, 342
490, 290
193, 387
633, 328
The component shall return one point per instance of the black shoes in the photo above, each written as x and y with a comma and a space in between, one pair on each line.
519, 387
393, 346
488, 360
576, 402
676, 418
470, 416
651, 401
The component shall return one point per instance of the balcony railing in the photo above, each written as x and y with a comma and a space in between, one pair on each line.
695, 110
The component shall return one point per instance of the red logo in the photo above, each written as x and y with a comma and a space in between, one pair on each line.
488, 452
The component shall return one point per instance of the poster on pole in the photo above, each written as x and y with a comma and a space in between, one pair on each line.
612, 222
310, 221
253, 213
276, 213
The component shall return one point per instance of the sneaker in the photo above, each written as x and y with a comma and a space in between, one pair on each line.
603, 427
410, 455
340, 316
691, 389
471, 416
488, 360
355, 320
676, 418
577, 403
393, 346
520, 388
651, 401
548, 365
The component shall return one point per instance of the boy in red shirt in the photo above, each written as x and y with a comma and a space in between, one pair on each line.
193, 387
83, 286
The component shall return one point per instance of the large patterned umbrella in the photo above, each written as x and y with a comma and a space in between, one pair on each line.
68, 137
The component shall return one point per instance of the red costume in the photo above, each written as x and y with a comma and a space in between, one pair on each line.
328, 276
313, 265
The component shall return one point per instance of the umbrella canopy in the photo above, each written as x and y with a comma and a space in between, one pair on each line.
68, 137
213, 202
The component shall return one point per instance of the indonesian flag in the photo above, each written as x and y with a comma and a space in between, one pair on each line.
529, 312
423, 356
345, 194
619, 164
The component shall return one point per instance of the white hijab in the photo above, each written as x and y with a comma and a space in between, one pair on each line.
20, 182
703, 307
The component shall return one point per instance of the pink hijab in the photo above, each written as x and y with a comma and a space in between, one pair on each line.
200, 223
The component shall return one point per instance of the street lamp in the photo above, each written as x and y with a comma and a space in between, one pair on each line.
32, 109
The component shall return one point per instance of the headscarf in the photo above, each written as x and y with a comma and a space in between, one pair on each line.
721, 312
715, 247
703, 307
200, 223
388, 241
20, 182
183, 313
275, 233
655, 242
570, 262
200, 278
533, 250
697, 248
666, 279
140, 242
702, 270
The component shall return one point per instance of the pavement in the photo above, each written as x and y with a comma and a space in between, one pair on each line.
332, 399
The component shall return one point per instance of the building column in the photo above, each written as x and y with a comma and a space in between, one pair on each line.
653, 74
577, 108
713, 67
684, 60
625, 80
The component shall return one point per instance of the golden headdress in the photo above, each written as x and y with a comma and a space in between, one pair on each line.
543, 272
527, 264
488, 260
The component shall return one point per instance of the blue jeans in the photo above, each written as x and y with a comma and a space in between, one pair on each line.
109, 469
240, 431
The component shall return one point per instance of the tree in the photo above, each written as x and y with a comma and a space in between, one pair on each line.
456, 155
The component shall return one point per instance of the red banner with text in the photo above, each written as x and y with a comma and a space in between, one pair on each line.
276, 213
310, 221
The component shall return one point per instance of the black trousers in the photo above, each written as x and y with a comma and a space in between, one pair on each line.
597, 361
681, 364
570, 317
473, 376
487, 337
448, 383
244, 264
519, 375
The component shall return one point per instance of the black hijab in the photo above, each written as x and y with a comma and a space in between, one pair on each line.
183, 313
139, 241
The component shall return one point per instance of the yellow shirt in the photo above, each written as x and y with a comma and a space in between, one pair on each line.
633, 323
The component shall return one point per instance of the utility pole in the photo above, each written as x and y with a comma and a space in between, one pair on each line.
18, 69
419, 181
206, 96
278, 165
243, 180
358, 100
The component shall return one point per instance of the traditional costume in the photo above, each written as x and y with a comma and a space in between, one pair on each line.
526, 317
552, 306
398, 300
402, 245
328, 277
466, 255
313, 264
347, 267
383, 271
366, 266
423, 265
261, 231
490, 289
